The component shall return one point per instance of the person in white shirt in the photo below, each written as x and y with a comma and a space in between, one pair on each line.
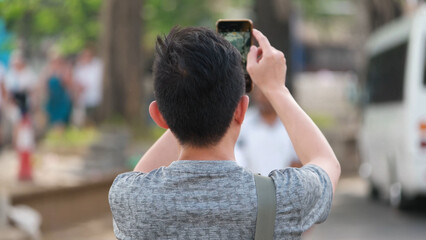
2, 98
88, 81
2, 77
20, 82
263, 144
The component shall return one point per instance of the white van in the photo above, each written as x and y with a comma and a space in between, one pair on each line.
392, 138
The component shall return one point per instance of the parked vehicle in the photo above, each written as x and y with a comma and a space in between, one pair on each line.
392, 138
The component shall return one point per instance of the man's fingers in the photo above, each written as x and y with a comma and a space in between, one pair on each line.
252, 57
262, 40
259, 53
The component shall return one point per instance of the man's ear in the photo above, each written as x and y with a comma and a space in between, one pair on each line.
240, 112
156, 115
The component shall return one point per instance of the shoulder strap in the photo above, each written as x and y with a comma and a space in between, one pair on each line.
266, 207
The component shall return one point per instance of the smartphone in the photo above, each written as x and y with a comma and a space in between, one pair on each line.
239, 33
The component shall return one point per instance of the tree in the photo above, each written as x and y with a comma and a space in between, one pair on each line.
160, 16
380, 12
122, 56
72, 23
273, 19
123, 36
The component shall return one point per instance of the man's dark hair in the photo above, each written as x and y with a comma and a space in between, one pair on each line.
198, 82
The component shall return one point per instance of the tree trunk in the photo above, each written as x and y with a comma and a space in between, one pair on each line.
273, 19
381, 12
121, 53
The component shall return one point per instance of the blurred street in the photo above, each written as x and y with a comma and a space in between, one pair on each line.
77, 77
355, 216
97, 229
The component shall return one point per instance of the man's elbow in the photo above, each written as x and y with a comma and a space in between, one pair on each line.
337, 167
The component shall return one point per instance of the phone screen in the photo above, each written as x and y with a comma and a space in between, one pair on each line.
238, 33
240, 40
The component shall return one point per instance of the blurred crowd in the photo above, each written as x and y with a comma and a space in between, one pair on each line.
64, 92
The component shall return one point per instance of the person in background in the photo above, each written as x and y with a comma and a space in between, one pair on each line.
2, 99
56, 86
263, 144
88, 87
2, 88
19, 84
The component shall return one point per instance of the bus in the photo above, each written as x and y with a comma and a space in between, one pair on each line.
392, 136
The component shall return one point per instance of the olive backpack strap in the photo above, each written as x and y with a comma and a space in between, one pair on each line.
266, 207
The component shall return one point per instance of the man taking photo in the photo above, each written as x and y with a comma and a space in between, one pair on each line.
188, 185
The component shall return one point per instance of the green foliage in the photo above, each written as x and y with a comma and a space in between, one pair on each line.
323, 121
319, 10
242, 3
161, 15
70, 139
72, 22
310, 8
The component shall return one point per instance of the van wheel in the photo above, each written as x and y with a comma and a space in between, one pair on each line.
374, 192
397, 197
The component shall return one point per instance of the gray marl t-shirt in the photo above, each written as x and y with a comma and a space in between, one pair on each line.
214, 200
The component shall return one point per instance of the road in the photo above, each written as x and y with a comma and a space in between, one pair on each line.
354, 216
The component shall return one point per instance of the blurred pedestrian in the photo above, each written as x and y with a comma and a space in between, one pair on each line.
2, 79
19, 83
2, 99
57, 85
88, 87
263, 144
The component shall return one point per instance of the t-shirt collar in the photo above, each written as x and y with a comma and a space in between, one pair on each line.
208, 166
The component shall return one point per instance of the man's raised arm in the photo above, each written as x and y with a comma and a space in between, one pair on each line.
267, 68
164, 151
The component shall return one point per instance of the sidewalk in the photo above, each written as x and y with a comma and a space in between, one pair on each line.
69, 190
97, 229
49, 170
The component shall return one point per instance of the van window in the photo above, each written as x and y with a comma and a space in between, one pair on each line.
385, 75
424, 67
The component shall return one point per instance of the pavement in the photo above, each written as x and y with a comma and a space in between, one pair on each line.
355, 216
97, 229
56, 175
49, 170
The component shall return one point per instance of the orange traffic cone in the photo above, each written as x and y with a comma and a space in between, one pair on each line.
25, 170
24, 146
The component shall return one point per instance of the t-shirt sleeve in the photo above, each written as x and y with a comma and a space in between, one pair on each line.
304, 197
120, 204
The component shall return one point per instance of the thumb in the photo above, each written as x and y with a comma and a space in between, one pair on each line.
252, 57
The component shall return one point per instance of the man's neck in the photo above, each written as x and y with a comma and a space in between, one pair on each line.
269, 118
206, 154
224, 150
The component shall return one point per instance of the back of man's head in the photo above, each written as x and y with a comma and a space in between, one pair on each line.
199, 81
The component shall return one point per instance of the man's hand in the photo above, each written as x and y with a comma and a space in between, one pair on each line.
266, 65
